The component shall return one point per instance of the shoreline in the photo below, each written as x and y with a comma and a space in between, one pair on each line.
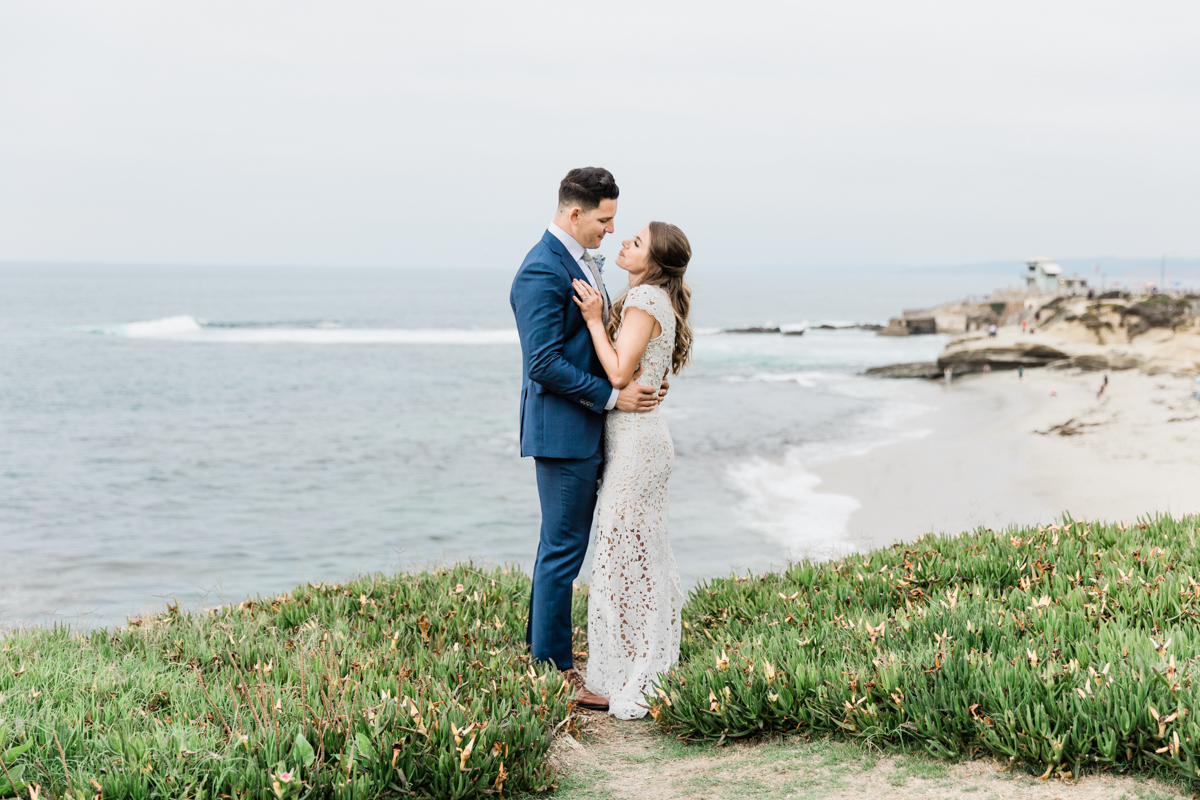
994, 457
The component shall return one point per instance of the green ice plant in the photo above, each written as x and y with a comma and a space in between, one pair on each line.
413, 685
11, 773
288, 780
1062, 649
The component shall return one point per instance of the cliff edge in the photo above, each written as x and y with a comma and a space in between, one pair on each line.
1156, 334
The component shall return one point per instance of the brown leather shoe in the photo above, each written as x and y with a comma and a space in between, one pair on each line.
584, 698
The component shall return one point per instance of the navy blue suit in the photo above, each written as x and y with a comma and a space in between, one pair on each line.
563, 394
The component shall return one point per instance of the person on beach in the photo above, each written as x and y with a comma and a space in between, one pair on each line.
636, 600
565, 393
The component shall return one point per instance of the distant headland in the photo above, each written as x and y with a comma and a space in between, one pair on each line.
1058, 321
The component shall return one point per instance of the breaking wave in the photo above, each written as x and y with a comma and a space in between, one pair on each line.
186, 328
782, 497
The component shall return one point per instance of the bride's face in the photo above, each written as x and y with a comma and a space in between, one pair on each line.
635, 252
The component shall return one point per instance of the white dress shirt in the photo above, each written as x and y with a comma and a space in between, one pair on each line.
577, 250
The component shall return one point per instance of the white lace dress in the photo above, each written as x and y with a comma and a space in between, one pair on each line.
635, 598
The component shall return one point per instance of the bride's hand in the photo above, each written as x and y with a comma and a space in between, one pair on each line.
589, 301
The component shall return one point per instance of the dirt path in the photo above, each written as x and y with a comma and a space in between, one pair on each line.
615, 760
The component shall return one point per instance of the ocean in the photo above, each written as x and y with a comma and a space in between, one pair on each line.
201, 434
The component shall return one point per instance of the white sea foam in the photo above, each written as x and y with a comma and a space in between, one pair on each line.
781, 503
782, 498
793, 327
360, 336
806, 379
189, 329
166, 328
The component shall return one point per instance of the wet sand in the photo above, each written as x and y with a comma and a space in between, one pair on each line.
993, 455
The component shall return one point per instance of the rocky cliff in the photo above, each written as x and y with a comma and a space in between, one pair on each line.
1155, 334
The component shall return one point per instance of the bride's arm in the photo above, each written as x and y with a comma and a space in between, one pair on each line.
637, 327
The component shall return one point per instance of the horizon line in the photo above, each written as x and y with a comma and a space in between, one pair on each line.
1147, 261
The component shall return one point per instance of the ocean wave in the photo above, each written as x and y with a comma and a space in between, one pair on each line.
782, 499
805, 379
186, 328
788, 327
782, 503
153, 329
302, 323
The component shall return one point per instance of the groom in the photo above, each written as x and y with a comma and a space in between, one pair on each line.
564, 394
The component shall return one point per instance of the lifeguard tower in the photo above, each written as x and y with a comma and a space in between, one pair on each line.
1045, 276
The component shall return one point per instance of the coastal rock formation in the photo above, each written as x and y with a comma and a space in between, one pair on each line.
856, 326
1158, 334
1114, 359
919, 369
1002, 307
971, 354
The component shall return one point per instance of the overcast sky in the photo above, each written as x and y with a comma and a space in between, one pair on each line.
435, 134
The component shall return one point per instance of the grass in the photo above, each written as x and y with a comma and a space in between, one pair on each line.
411, 685
1060, 649
584, 784
653, 766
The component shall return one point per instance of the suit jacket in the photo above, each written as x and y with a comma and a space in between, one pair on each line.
563, 385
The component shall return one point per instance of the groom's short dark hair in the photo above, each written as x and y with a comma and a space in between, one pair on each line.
586, 187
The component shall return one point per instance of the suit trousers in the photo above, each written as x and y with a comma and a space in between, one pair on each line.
567, 491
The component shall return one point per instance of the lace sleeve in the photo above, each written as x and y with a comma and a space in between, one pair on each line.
653, 301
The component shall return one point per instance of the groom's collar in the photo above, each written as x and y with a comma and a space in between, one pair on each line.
574, 248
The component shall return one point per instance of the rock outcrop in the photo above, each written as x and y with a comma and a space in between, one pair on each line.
1156, 333
919, 369
1002, 307
970, 355
1114, 359
753, 329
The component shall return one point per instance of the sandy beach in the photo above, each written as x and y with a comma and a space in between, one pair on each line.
1001, 450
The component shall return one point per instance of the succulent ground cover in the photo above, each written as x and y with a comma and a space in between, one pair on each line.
1160, 311
1059, 649
409, 685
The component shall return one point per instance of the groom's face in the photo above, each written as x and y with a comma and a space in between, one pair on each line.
592, 225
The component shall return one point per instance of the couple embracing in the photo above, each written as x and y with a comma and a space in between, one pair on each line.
593, 375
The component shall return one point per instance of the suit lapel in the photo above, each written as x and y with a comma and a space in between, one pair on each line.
573, 268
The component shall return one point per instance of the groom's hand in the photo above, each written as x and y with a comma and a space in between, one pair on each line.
662, 392
637, 398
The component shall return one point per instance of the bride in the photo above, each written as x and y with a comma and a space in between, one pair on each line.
635, 601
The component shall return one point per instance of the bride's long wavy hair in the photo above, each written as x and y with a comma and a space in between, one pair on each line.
668, 258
